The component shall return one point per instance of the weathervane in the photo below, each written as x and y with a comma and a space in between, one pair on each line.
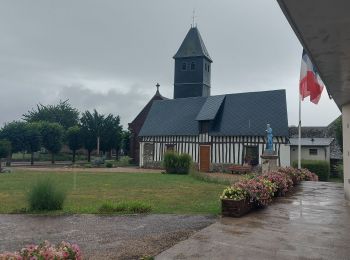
193, 18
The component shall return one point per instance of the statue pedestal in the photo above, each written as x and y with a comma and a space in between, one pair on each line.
268, 161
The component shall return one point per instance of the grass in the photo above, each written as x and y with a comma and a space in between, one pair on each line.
125, 207
165, 193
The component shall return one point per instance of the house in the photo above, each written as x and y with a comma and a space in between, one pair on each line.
311, 149
217, 131
136, 125
320, 138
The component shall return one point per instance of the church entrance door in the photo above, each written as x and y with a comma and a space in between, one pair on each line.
204, 158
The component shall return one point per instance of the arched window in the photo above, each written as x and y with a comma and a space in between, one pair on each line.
193, 66
184, 66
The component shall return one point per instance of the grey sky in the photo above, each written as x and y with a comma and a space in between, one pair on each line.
109, 55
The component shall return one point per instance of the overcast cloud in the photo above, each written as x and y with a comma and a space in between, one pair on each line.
109, 55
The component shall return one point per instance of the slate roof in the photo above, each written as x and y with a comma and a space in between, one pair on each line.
210, 108
192, 46
311, 141
243, 114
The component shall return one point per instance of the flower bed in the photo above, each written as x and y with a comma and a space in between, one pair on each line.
258, 191
45, 250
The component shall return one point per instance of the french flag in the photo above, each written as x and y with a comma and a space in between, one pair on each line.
310, 82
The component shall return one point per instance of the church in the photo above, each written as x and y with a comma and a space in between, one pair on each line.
217, 131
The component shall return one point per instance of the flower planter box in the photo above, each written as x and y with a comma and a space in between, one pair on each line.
235, 208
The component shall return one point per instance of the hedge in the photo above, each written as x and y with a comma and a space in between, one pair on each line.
177, 163
321, 168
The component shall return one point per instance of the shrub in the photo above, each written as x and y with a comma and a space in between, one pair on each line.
259, 190
124, 161
125, 207
45, 250
340, 170
282, 181
109, 164
175, 163
98, 161
321, 168
306, 175
45, 195
234, 193
293, 173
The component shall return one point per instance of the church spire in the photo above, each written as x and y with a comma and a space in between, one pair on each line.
192, 67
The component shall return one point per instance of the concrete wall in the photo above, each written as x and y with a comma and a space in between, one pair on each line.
346, 149
285, 155
323, 153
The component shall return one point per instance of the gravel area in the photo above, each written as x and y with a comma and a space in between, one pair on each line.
102, 237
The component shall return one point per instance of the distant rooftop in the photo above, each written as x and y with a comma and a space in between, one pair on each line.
311, 141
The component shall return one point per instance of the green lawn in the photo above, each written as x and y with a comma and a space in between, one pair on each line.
165, 193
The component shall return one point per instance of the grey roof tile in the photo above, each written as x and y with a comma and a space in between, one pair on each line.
210, 108
311, 141
192, 46
242, 114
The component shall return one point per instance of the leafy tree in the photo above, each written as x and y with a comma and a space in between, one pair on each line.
52, 138
14, 132
92, 125
125, 142
338, 126
111, 134
62, 113
5, 150
32, 139
89, 141
74, 139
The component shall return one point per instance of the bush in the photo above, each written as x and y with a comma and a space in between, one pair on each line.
321, 168
282, 181
234, 193
175, 163
124, 161
45, 195
98, 162
109, 164
45, 250
125, 207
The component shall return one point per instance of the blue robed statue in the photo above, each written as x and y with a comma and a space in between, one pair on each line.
269, 143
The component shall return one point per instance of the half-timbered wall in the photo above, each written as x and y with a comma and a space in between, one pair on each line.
224, 149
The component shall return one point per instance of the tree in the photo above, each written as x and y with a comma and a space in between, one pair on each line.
52, 138
111, 134
74, 139
125, 142
89, 141
62, 113
338, 126
32, 139
14, 132
5, 150
92, 125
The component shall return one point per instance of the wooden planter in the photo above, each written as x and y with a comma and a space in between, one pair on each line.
234, 208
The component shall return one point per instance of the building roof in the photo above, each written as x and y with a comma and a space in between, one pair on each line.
210, 108
192, 46
136, 124
243, 114
311, 141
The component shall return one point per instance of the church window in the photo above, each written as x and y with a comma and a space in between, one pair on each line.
184, 66
193, 66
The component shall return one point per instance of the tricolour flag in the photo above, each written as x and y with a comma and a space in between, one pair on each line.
310, 82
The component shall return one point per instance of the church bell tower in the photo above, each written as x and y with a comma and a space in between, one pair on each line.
192, 67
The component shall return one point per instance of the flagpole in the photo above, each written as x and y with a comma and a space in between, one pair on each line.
299, 139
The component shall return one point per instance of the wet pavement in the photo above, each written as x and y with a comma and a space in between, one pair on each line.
312, 223
102, 237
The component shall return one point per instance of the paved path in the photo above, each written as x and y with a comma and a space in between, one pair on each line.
102, 237
313, 223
